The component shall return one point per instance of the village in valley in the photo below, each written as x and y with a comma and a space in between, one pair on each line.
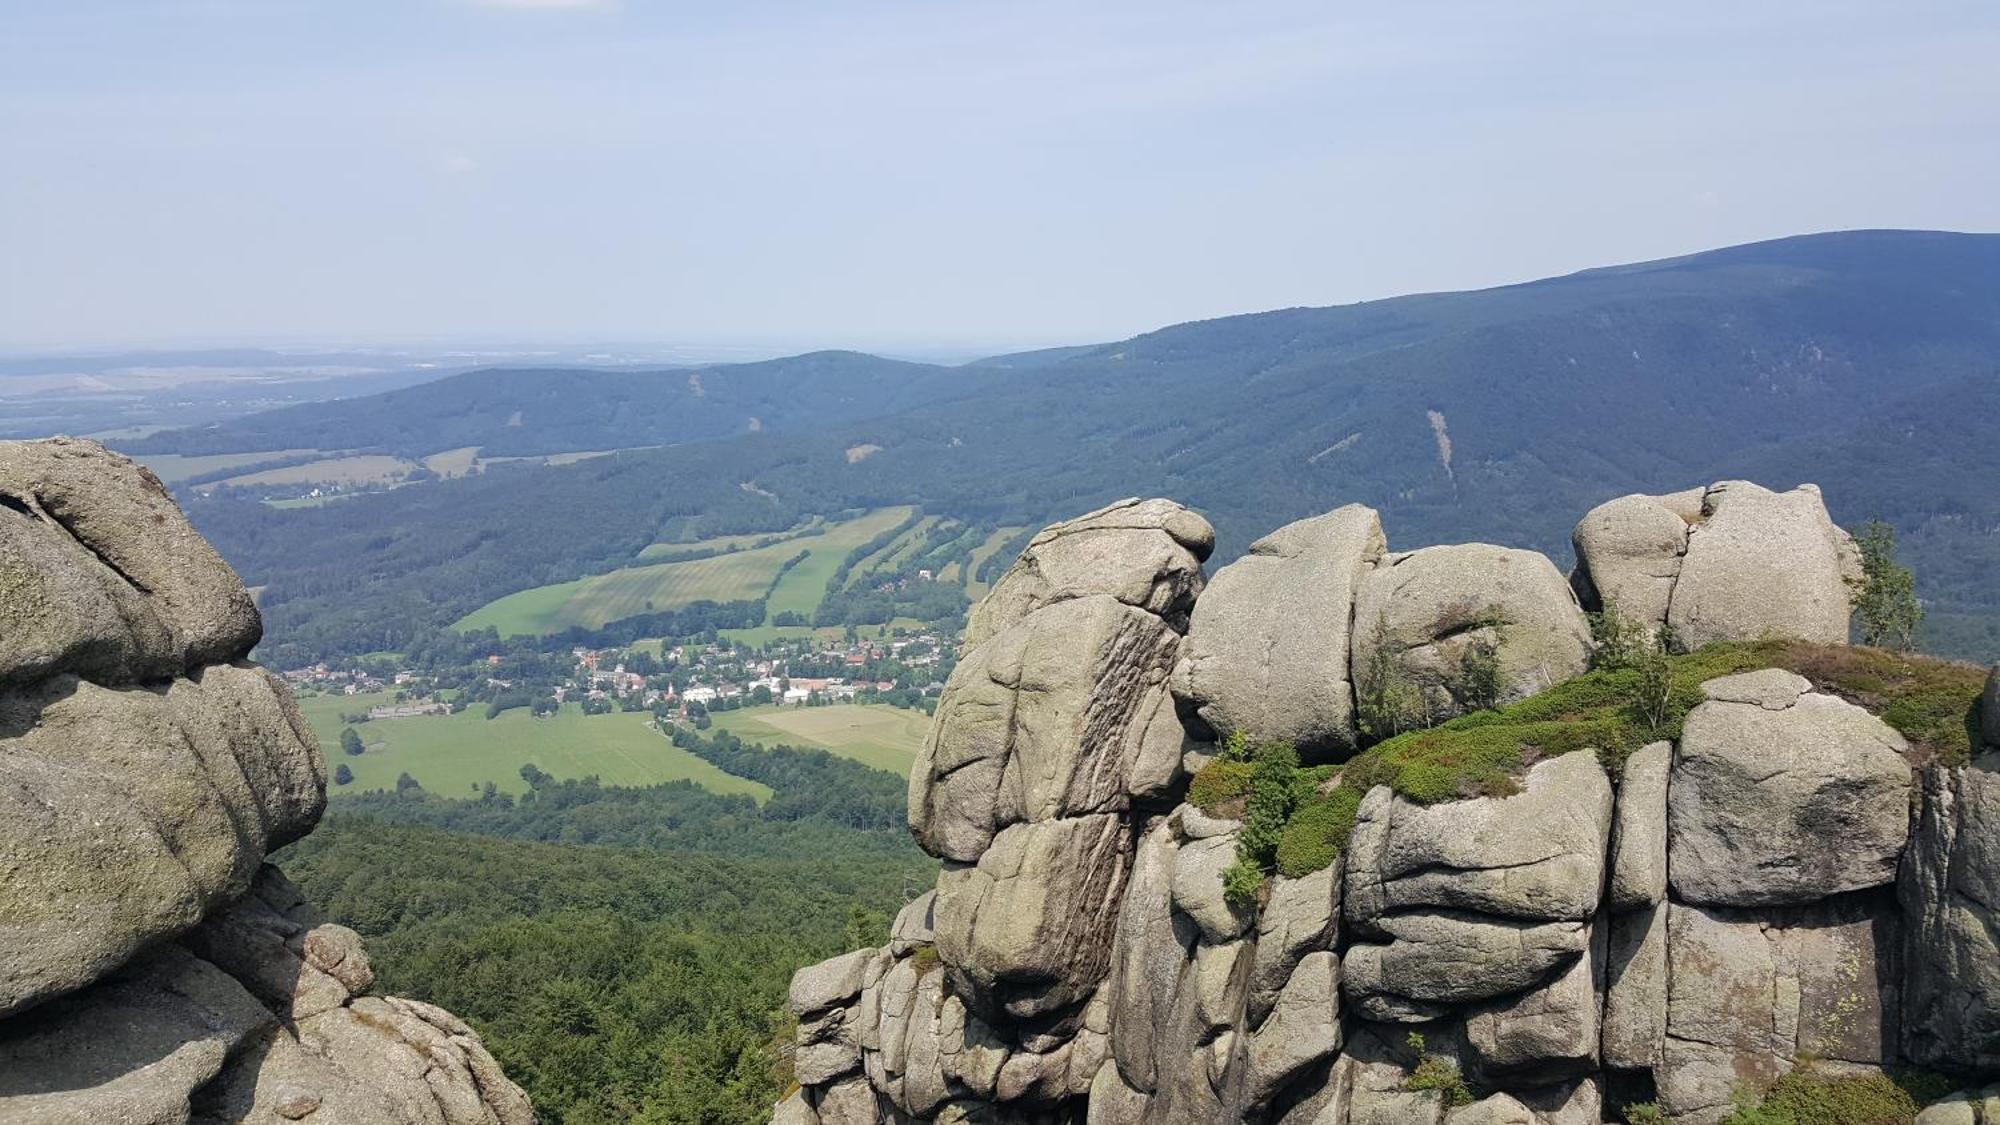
684, 680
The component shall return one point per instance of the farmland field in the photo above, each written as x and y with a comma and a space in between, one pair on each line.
453, 755
172, 468
721, 542
363, 469
974, 588
738, 576
805, 584
873, 734
453, 462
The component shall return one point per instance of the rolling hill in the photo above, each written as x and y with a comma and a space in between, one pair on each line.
1863, 360
519, 412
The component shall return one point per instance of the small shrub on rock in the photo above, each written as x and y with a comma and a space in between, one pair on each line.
1435, 1072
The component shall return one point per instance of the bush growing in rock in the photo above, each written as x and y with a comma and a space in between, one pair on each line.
1435, 1072
1885, 599
1806, 1097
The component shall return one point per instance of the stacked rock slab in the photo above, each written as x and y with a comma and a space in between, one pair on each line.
1682, 929
151, 969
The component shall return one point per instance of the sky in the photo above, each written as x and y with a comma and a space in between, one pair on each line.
928, 175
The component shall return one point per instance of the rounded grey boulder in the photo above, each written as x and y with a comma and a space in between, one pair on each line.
1764, 564
1267, 647
102, 576
1422, 613
1145, 553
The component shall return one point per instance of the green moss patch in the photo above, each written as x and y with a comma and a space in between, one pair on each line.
1611, 711
1807, 1097
1933, 703
1219, 789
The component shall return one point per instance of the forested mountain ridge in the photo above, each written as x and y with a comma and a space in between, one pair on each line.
1492, 415
515, 412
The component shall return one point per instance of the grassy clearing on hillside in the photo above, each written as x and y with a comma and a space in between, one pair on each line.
591, 602
974, 588
717, 543
906, 545
453, 462
362, 469
884, 557
733, 576
172, 468
455, 755
805, 584
1930, 701
873, 734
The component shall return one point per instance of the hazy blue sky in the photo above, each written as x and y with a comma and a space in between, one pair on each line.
895, 175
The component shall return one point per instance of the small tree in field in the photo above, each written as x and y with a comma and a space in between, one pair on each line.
350, 742
1885, 600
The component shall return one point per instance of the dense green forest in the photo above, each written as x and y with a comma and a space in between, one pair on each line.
614, 984
624, 951
1500, 416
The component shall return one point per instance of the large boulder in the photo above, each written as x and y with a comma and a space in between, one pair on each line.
1049, 718
1635, 989
1267, 648
1152, 945
1950, 895
102, 577
1145, 553
1547, 1033
1764, 564
1425, 614
1769, 775
128, 814
1628, 553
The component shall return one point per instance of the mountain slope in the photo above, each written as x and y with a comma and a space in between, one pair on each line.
525, 412
1494, 415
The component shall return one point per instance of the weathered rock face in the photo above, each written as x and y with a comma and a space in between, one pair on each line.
150, 969
1733, 561
1950, 892
1268, 645
1748, 994
1683, 928
1021, 738
1428, 610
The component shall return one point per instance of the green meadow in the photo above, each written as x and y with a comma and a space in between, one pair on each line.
873, 734
735, 576
456, 754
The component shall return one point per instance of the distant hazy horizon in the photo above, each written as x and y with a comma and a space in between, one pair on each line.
926, 179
